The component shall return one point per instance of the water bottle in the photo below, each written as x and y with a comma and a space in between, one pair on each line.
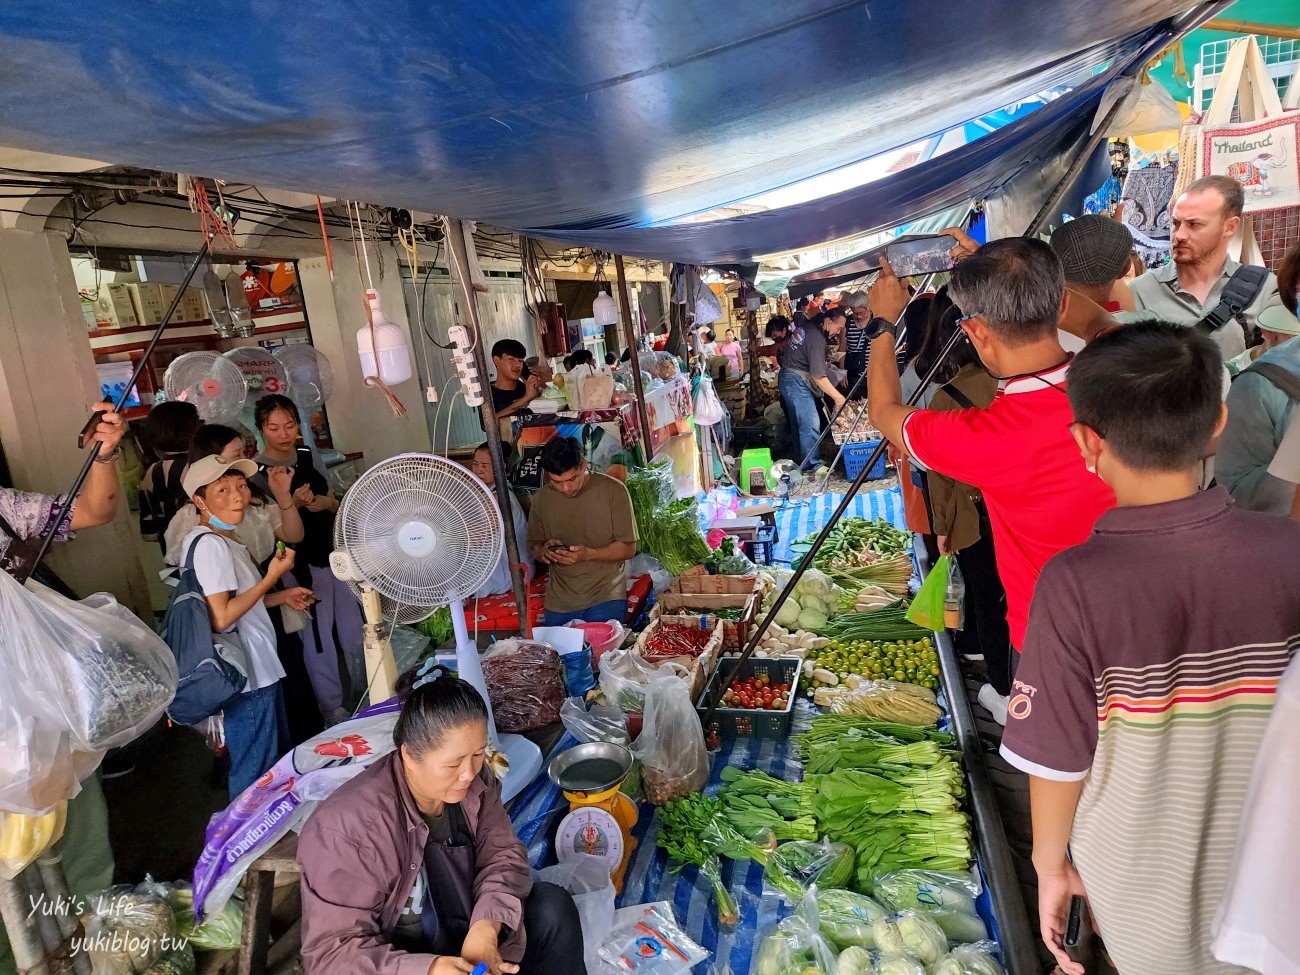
954, 599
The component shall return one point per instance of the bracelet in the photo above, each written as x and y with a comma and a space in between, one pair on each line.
109, 457
284, 507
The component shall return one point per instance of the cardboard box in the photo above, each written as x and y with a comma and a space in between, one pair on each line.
115, 308
193, 307
169, 292
88, 312
148, 302
698, 669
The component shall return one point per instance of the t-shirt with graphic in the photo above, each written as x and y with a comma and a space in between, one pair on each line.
417, 927
1150, 667
1019, 452
806, 351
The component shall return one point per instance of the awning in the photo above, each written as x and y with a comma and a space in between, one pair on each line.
572, 117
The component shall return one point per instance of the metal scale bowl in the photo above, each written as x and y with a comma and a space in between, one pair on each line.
600, 818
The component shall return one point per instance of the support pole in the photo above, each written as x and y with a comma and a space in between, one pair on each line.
24, 937
629, 332
456, 242
755, 371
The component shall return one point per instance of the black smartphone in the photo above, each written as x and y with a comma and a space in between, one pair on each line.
1079, 940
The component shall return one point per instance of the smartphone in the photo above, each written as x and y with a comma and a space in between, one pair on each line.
920, 255
1079, 941
560, 548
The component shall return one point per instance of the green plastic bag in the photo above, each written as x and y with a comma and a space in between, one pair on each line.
927, 608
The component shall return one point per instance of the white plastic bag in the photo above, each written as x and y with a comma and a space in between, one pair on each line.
623, 679
674, 762
708, 407
587, 879
707, 307
79, 678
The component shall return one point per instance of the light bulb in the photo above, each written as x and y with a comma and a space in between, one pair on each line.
604, 310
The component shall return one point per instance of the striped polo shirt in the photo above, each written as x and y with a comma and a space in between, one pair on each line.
1150, 667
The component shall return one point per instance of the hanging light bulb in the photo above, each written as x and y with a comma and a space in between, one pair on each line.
604, 310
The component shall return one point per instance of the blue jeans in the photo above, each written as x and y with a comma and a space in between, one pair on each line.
256, 733
611, 609
800, 413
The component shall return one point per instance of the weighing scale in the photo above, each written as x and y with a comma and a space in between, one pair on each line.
600, 818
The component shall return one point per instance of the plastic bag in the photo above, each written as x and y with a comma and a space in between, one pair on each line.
219, 932
587, 879
645, 564
126, 931
671, 745
79, 678
947, 898
525, 682
846, 918
23, 838
708, 408
796, 945
707, 307
623, 680
980, 958
647, 940
795, 867
599, 723
910, 933
927, 608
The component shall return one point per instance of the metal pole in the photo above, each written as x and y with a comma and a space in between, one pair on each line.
23, 573
629, 332
456, 241
839, 453
815, 449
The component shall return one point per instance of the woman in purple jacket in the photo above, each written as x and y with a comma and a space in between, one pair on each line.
413, 868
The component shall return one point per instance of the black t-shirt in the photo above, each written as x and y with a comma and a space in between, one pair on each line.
318, 526
503, 398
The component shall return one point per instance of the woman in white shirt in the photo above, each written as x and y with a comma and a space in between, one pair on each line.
238, 597
501, 580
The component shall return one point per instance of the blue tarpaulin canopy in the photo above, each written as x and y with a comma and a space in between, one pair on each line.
591, 121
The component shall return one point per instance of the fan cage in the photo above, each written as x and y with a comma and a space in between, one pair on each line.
310, 375
437, 494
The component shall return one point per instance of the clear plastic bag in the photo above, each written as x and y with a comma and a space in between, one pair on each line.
796, 945
647, 940
23, 838
623, 680
671, 745
980, 958
127, 931
218, 932
79, 678
910, 933
708, 407
587, 879
525, 681
947, 898
597, 723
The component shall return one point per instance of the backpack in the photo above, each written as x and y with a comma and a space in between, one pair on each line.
213, 668
1238, 294
161, 498
1281, 377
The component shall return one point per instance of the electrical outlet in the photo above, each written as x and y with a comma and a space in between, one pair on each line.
431, 394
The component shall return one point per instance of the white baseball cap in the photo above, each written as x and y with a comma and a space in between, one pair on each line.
1275, 318
213, 468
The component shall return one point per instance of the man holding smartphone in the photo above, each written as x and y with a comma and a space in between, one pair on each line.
581, 525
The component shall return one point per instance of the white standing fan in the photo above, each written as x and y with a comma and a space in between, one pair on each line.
423, 531
211, 382
390, 609
309, 383
262, 372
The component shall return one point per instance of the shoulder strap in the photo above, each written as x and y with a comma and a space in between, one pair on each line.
958, 397
1281, 377
189, 556
1238, 294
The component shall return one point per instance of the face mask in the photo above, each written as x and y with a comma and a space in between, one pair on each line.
216, 522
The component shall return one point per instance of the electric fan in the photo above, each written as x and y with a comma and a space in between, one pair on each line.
211, 382
424, 531
390, 609
263, 373
310, 382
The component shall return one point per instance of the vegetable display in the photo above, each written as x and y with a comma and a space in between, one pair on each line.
889, 623
757, 693
913, 661
671, 533
669, 640
728, 560
437, 627
809, 605
910, 933
860, 534
683, 823
887, 700
795, 866
755, 804
846, 918
973, 959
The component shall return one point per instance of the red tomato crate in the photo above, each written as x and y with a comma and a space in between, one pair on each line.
747, 722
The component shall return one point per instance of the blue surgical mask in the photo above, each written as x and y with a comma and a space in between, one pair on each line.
216, 522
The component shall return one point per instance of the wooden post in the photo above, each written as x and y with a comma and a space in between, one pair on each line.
1249, 27
755, 372
630, 332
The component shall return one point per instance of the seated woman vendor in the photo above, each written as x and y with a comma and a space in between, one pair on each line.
412, 867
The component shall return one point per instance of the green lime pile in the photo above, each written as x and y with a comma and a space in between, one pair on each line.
909, 661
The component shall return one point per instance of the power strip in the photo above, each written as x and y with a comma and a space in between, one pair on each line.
471, 384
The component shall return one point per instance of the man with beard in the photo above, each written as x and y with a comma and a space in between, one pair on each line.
1204, 219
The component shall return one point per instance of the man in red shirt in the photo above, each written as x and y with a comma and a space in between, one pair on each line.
1018, 451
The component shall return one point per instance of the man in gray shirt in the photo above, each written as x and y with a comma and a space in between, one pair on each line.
1204, 219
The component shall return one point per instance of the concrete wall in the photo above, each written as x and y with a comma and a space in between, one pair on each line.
47, 387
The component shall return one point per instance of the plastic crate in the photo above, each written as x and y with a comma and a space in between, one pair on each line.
762, 550
856, 456
746, 722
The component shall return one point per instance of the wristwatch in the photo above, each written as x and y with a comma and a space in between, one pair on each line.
879, 326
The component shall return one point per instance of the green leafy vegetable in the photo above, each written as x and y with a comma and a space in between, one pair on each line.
795, 866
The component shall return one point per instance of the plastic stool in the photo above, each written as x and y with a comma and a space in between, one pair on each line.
756, 458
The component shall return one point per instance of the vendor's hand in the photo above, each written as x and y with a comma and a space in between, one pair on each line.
888, 296
942, 542
837, 399
450, 965
299, 598
110, 429
547, 553
533, 388
304, 496
280, 563
966, 244
1055, 888
280, 481
322, 502
571, 556
481, 946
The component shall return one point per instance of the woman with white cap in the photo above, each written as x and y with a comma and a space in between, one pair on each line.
238, 597
1260, 406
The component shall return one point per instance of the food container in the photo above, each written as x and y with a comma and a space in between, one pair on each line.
748, 722
856, 456
698, 668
